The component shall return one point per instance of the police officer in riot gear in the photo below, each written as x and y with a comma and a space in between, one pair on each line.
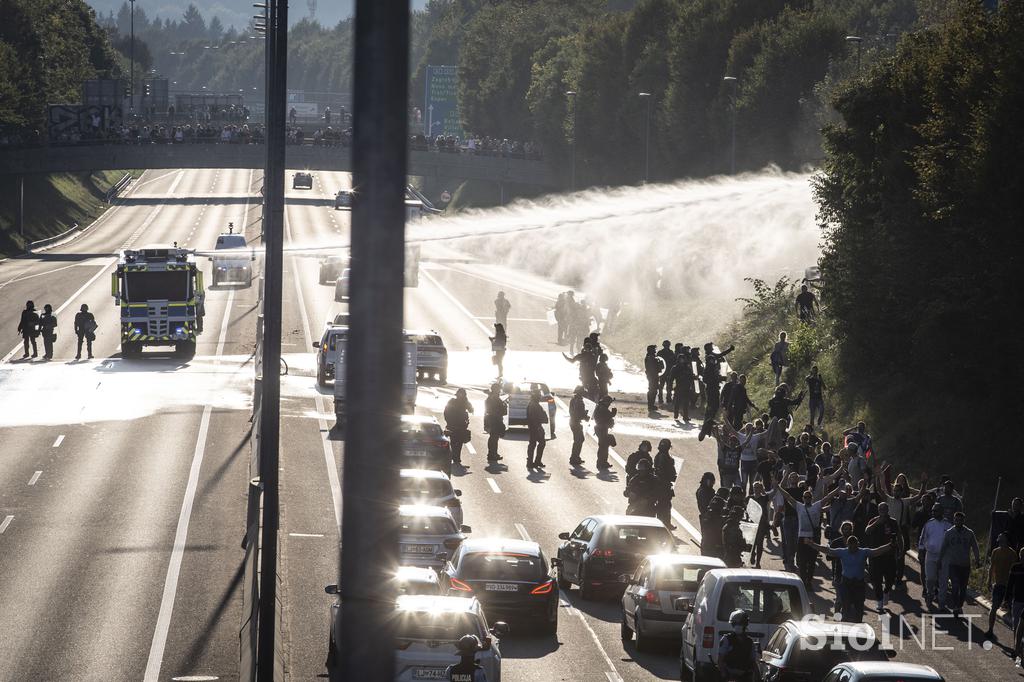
642, 490
467, 669
654, 367
456, 421
577, 415
737, 655
604, 420
712, 385
536, 418
495, 410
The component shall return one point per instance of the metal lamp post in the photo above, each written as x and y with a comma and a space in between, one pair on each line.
732, 156
647, 136
131, 59
859, 41
571, 94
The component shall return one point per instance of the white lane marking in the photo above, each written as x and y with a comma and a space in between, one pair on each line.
521, 529
456, 303
163, 620
499, 283
6, 522
153, 214
13, 280
470, 449
332, 465
152, 180
613, 676
611, 673
35, 477
195, 678
71, 299
60, 439
306, 535
516, 319
494, 485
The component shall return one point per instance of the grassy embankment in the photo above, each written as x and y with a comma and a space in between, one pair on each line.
53, 203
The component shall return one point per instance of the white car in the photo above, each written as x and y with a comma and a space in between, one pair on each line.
648, 604
519, 398
427, 630
431, 355
425, 486
882, 671
769, 597
427, 535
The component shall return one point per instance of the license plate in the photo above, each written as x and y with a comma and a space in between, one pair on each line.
415, 453
417, 549
428, 673
501, 587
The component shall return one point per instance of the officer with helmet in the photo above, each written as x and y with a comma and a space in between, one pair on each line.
467, 669
737, 655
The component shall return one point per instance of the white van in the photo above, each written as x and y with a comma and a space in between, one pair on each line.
338, 342
770, 597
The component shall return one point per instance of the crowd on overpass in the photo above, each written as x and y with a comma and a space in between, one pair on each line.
477, 145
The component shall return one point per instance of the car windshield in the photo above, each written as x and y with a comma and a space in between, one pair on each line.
442, 626
170, 285
332, 339
639, 539
422, 487
501, 566
678, 578
765, 602
424, 430
427, 525
230, 241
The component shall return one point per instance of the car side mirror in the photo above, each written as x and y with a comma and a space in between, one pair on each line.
626, 578
316, 344
500, 629
556, 562
683, 604
563, 536
890, 653
331, 589
458, 493
467, 529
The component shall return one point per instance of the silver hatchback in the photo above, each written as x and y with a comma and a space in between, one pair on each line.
427, 535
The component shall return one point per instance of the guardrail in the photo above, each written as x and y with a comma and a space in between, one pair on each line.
118, 186
52, 240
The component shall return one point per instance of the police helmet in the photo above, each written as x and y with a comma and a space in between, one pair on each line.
578, 390
740, 618
643, 465
468, 644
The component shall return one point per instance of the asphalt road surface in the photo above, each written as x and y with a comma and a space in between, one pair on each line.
123, 482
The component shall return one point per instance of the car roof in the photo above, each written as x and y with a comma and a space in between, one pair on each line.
416, 573
423, 473
755, 574
525, 386
423, 510
627, 520
665, 559
512, 545
911, 670
419, 419
423, 332
815, 628
435, 603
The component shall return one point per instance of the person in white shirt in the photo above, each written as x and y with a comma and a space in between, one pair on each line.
808, 514
929, 546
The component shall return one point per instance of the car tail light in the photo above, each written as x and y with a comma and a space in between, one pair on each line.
544, 589
460, 586
440, 444
606, 553
708, 641
651, 598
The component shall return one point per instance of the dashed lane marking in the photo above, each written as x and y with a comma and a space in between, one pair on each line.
6, 522
523, 533
35, 478
470, 449
60, 439
494, 485
305, 535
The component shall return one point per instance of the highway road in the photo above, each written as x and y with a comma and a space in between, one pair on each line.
122, 485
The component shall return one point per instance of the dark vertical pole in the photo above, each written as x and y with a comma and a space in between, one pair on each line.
647, 142
21, 205
374, 368
277, 43
131, 58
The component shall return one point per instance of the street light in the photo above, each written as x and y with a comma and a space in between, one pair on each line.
571, 94
859, 41
131, 58
732, 157
647, 136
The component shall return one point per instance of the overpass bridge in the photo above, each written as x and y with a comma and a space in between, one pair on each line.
92, 157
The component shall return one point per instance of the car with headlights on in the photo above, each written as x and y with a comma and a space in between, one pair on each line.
648, 604
302, 180
427, 486
603, 548
331, 268
427, 535
510, 577
341, 286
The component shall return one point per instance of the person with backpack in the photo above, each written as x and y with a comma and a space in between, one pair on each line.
85, 330
737, 655
48, 330
28, 327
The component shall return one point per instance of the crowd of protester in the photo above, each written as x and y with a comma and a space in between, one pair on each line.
473, 144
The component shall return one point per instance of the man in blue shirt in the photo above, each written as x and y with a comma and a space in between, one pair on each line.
853, 559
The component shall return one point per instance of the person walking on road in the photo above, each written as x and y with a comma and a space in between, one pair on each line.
712, 386
562, 315
28, 327
683, 389
456, 420
883, 529
668, 357
854, 559
577, 415
1001, 560
929, 547
495, 410
958, 544
604, 375
705, 491
85, 330
501, 308
643, 451
604, 421
654, 367
665, 472
48, 330
739, 403
779, 357
733, 542
536, 418
808, 517
499, 342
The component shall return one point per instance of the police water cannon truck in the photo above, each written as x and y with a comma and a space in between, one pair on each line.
160, 292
